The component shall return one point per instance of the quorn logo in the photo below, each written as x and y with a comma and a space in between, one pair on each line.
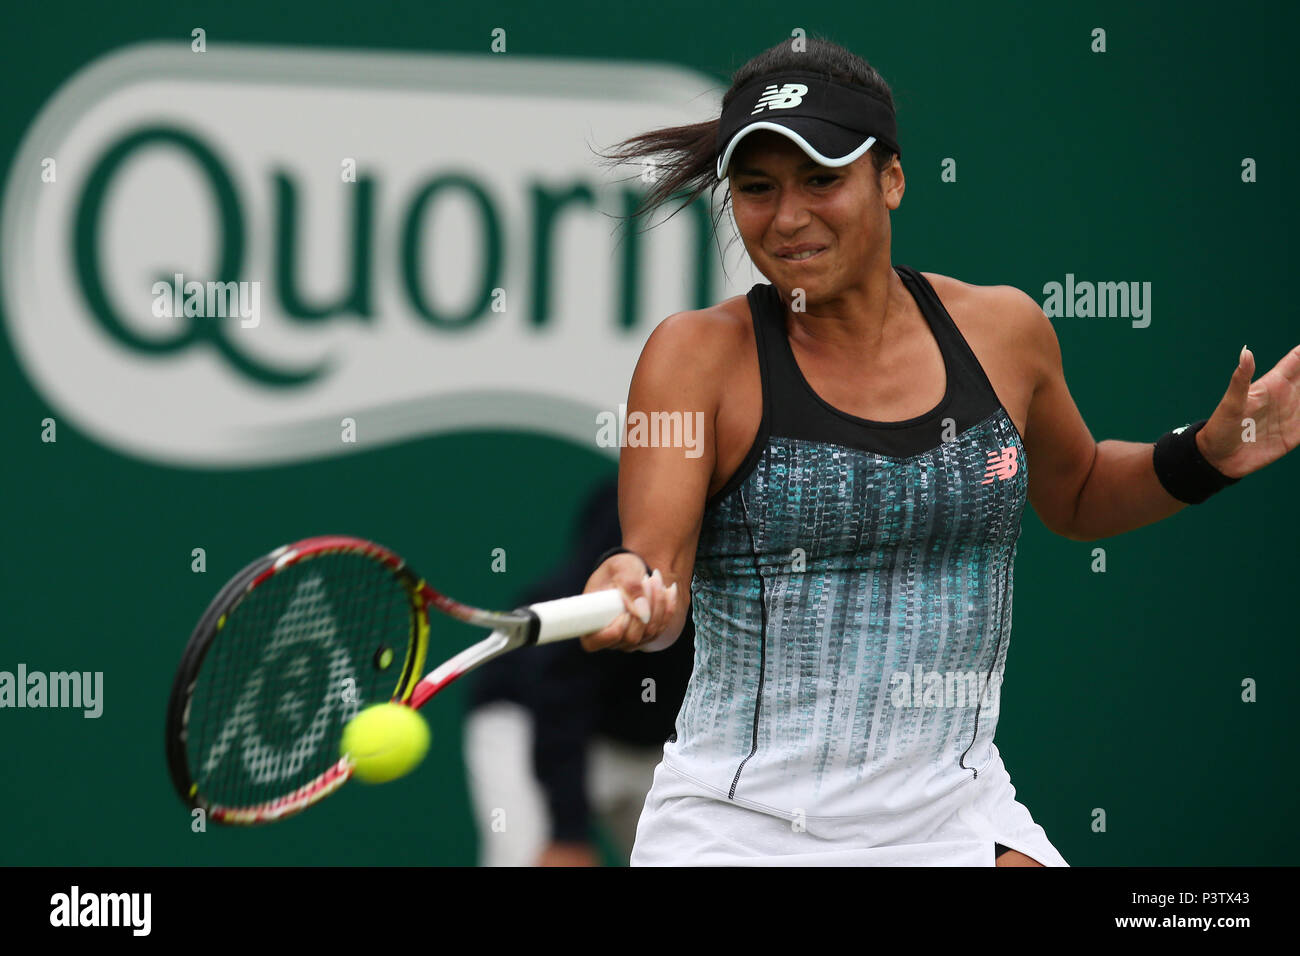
429, 243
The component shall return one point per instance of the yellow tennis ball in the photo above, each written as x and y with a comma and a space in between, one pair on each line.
385, 741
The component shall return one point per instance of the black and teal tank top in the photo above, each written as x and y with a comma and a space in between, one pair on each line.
852, 592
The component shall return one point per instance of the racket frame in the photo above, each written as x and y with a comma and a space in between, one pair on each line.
537, 623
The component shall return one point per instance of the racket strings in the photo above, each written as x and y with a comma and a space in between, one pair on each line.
295, 660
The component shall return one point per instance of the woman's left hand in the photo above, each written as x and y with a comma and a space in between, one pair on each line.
1272, 404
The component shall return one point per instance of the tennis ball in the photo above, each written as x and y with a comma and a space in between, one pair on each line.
385, 741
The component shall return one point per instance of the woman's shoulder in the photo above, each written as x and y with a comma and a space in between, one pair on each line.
708, 336
690, 357
1002, 315
1004, 302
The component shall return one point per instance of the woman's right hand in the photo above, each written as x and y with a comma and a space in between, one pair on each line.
651, 607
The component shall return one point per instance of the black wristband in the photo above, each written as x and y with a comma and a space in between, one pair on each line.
1183, 470
619, 550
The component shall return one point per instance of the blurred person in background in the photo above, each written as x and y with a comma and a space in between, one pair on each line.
559, 741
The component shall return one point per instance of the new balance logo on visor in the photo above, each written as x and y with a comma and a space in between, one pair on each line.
787, 97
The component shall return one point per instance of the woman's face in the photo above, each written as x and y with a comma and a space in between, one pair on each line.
786, 204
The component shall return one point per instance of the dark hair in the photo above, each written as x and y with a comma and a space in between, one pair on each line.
687, 154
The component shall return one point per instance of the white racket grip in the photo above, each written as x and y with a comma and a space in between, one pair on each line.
573, 616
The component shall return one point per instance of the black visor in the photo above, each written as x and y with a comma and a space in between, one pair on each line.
833, 122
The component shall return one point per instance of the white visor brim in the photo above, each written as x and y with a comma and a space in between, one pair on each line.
725, 159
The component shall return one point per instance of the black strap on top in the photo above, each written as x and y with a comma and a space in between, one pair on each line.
798, 412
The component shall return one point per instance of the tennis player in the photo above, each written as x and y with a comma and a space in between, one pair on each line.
849, 535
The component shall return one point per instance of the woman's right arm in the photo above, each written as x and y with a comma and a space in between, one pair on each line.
662, 490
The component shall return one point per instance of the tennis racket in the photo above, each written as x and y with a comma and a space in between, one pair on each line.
296, 644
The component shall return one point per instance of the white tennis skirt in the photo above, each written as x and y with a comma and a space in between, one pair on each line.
686, 822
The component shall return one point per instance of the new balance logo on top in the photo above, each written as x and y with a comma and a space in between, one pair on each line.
787, 97
1001, 465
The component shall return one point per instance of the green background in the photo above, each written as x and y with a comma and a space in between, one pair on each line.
1123, 689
